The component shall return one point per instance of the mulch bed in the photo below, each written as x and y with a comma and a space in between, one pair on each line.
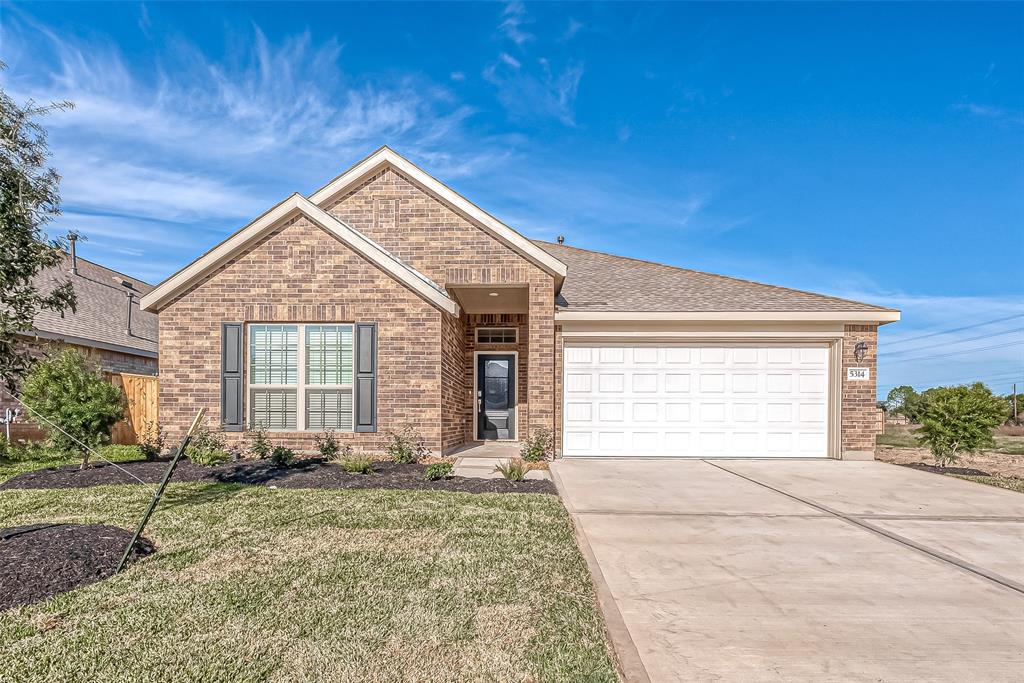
965, 471
42, 560
306, 474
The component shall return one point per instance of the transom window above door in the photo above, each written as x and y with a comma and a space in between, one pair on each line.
497, 335
300, 377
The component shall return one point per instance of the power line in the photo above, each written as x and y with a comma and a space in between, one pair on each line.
995, 379
962, 351
955, 329
958, 341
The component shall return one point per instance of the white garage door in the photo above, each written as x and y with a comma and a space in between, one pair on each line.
698, 401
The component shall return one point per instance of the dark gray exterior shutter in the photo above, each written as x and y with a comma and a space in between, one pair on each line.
366, 378
231, 387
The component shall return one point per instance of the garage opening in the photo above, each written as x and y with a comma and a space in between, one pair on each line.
702, 401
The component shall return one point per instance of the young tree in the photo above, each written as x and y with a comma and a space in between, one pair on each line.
905, 401
78, 406
960, 420
28, 201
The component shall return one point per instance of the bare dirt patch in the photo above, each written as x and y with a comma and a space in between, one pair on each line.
986, 463
41, 560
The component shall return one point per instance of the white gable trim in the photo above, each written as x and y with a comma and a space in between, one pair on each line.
497, 229
879, 316
297, 204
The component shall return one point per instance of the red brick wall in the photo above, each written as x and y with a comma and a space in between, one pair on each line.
299, 273
859, 413
454, 407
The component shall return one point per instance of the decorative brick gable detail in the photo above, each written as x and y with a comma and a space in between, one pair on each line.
859, 412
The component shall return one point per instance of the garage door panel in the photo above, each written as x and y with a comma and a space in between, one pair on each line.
646, 400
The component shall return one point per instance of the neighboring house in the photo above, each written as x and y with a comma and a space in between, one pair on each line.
108, 326
386, 299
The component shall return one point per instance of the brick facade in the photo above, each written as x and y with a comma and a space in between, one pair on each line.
276, 280
520, 321
859, 402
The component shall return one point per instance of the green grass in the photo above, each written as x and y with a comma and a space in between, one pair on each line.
251, 583
898, 439
41, 458
1011, 483
1011, 445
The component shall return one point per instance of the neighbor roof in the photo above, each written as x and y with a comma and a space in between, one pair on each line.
100, 317
599, 282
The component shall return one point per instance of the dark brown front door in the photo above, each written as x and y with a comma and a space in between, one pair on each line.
496, 396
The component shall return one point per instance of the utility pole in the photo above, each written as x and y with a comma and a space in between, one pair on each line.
1016, 420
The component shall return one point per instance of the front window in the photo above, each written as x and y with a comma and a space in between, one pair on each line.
300, 377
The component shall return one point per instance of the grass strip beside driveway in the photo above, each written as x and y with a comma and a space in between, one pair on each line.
252, 583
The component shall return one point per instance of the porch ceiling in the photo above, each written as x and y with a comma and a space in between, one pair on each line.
493, 299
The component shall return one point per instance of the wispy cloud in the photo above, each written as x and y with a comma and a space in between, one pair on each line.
513, 21
990, 112
199, 147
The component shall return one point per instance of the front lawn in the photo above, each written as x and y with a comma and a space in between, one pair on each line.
250, 583
41, 457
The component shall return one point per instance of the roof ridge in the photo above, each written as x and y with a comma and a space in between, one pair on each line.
714, 275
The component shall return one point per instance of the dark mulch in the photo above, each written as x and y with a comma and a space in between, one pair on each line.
41, 560
309, 473
965, 471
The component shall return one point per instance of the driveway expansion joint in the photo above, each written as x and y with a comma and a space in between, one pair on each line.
860, 521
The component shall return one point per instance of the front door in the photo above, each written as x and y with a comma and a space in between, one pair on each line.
496, 396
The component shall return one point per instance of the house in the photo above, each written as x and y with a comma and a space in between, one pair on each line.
108, 326
385, 299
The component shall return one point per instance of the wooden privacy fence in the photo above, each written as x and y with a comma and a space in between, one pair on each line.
142, 393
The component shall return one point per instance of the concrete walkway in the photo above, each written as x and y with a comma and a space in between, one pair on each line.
742, 570
480, 459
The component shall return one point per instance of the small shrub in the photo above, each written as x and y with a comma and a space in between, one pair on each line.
357, 464
259, 445
120, 452
407, 446
537, 446
282, 457
152, 440
207, 447
5, 448
210, 458
513, 470
439, 470
960, 420
74, 402
328, 446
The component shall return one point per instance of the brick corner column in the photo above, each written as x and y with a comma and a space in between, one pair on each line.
859, 424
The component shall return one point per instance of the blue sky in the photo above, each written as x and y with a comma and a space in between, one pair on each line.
869, 151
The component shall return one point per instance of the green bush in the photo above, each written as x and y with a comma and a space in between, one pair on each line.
209, 457
282, 457
259, 445
73, 401
406, 446
207, 447
328, 446
5, 448
513, 470
537, 446
120, 452
960, 420
439, 470
152, 440
357, 464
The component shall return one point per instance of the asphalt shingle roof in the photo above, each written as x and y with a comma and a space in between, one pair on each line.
101, 313
602, 282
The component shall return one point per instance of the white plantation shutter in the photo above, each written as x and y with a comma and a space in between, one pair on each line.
329, 409
273, 409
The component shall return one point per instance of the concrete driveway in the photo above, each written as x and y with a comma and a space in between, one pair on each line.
742, 570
